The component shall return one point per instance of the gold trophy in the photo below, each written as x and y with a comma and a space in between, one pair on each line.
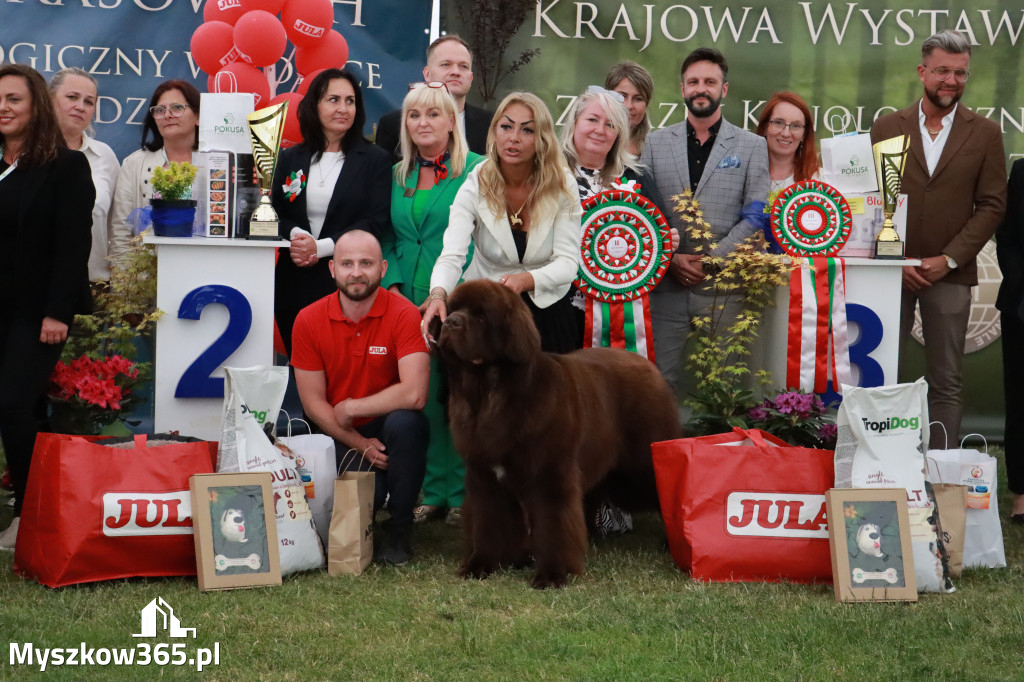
266, 127
890, 158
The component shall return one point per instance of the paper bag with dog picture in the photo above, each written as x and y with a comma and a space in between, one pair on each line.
350, 541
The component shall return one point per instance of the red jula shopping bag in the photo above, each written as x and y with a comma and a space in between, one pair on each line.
745, 506
94, 512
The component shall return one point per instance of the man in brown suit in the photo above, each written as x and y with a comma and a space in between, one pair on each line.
955, 180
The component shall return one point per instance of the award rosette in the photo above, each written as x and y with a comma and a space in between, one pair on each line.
625, 251
266, 127
811, 218
812, 221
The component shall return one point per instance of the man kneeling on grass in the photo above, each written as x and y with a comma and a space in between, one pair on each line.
362, 369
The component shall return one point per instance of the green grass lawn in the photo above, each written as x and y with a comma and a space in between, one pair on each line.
632, 616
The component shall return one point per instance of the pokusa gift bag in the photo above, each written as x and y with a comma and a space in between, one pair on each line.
745, 506
96, 511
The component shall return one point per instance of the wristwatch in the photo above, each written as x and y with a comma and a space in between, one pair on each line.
950, 262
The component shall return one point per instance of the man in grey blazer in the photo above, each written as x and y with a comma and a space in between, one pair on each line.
727, 169
955, 182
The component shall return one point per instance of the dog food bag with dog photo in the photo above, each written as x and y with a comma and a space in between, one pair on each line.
252, 397
882, 440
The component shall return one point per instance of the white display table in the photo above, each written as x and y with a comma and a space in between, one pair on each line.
218, 301
873, 292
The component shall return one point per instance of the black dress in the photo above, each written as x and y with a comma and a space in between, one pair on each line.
559, 332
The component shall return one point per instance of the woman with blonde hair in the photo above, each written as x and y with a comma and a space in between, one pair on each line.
636, 86
435, 163
520, 211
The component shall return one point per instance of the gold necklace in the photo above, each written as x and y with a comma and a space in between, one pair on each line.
514, 218
931, 132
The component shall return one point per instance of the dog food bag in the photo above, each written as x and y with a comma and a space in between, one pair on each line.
882, 440
253, 396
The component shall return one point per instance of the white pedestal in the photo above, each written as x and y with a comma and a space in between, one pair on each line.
218, 301
873, 292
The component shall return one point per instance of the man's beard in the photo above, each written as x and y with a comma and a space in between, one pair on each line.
702, 111
371, 287
945, 101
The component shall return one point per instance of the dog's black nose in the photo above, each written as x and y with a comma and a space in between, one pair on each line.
453, 321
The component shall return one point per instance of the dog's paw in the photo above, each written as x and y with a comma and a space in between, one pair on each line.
543, 580
475, 569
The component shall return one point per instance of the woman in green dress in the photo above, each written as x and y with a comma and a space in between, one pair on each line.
435, 162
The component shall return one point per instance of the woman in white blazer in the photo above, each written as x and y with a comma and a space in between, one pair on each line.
520, 210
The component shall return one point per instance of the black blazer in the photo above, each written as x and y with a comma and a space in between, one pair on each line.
478, 121
54, 220
361, 201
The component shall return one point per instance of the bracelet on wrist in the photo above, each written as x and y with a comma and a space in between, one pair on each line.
437, 296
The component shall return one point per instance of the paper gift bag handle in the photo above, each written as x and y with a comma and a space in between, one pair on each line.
342, 463
983, 440
946, 433
289, 424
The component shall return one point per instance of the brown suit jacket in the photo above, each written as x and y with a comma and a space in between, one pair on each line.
956, 210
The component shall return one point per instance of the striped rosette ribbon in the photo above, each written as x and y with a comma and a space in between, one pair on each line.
811, 221
625, 250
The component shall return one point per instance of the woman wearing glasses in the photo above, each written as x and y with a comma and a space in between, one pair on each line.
333, 182
435, 161
787, 126
170, 132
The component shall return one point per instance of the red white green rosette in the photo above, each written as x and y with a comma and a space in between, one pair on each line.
625, 250
811, 218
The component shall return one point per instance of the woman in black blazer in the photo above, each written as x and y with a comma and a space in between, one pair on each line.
334, 182
46, 198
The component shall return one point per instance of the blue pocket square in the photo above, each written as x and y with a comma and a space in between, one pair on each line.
731, 161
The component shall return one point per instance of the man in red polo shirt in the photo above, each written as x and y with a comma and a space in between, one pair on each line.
362, 369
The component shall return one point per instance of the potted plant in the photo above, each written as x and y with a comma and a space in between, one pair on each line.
174, 211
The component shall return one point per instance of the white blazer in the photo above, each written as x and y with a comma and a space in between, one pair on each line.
552, 247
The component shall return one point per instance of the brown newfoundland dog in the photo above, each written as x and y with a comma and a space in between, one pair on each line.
539, 432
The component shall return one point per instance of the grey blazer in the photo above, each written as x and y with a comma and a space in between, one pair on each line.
735, 176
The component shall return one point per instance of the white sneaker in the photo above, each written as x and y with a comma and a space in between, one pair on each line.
10, 536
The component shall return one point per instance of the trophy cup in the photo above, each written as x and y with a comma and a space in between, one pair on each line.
266, 127
890, 157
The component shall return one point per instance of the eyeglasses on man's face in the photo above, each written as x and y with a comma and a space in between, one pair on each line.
959, 75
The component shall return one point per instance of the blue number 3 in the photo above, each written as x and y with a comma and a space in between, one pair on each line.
196, 382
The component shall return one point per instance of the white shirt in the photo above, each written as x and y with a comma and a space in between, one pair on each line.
933, 148
323, 176
105, 169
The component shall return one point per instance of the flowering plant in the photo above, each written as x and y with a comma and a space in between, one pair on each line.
174, 182
89, 394
796, 417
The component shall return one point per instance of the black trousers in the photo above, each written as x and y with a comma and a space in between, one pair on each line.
25, 368
1013, 381
405, 434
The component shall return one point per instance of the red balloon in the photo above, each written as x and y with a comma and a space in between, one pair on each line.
292, 134
307, 22
260, 38
227, 11
306, 80
213, 46
331, 52
272, 6
241, 77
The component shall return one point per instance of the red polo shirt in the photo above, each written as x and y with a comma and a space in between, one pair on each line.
359, 358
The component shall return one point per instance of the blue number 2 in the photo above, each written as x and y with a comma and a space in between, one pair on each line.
196, 382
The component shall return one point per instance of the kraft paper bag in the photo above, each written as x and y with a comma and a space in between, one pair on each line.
350, 542
951, 499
